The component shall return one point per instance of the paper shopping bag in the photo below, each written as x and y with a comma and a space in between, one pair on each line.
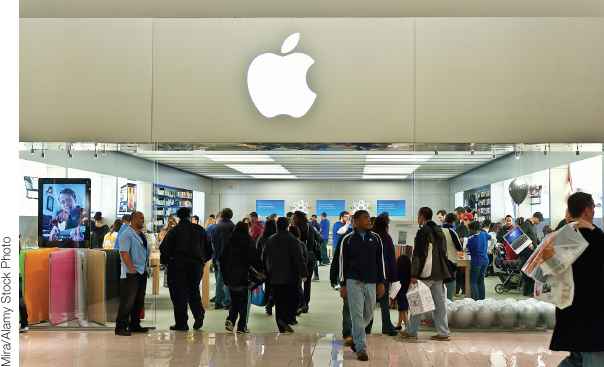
420, 299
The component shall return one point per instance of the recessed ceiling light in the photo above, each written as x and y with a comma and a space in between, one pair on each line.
393, 168
258, 168
384, 177
398, 157
273, 176
239, 158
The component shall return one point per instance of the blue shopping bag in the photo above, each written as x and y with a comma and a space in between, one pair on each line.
258, 297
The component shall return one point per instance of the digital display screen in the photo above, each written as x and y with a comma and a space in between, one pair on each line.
63, 212
394, 208
513, 235
264, 208
332, 208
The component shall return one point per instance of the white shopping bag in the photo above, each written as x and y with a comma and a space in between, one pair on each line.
558, 290
427, 271
394, 288
420, 299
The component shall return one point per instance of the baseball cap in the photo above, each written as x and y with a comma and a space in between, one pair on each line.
538, 215
126, 217
468, 216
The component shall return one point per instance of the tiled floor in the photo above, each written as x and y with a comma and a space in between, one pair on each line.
99, 348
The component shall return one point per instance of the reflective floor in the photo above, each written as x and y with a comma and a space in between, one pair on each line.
100, 348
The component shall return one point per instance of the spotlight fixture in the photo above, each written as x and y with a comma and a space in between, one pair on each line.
135, 149
70, 155
436, 149
577, 153
33, 151
42, 155
517, 155
521, 149
95, 153
545, 149
472, 148
493, 154
68, 146
104, 151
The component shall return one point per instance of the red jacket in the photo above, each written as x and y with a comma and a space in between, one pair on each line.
256, 231
511, 254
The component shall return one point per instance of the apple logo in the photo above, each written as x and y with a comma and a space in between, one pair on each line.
277, 84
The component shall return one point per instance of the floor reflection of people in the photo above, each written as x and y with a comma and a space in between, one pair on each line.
71, 215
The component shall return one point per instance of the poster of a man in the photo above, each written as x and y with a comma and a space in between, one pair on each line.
70, 214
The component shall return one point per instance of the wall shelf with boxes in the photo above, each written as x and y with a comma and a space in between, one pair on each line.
484, 204
166, 201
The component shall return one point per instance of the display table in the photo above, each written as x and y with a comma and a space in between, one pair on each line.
465, 262
154, 264
205, 281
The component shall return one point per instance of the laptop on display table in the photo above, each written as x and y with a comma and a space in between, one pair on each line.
517, 240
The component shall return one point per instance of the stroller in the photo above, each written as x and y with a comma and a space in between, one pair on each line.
509, 273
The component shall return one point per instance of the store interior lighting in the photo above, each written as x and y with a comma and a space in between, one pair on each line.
398, 157
385, 177
394, 169
258, 168
270, 177
238, 158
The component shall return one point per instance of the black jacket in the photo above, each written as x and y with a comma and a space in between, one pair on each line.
283, 259
430, 233
305, 230
561, 224
220, 235
462, 230
236, 257
502, 232
362, 258
580, 327
186, 245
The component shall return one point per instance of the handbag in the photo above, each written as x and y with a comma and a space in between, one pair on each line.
254, 278
258, 297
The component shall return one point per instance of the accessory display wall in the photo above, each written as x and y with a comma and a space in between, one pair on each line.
37, 284
64, 294
95, 291
112, 283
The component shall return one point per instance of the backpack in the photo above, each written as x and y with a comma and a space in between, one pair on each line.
311, 243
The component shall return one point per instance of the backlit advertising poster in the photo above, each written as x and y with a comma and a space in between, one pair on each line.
394, 208
127, 201
264, 208
63, 212
332, 208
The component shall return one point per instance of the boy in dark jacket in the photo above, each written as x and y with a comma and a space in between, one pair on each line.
574, 332
362, 276
185, 250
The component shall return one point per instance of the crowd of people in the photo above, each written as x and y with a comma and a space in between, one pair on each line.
363, 269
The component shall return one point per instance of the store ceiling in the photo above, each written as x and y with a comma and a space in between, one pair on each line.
311, 161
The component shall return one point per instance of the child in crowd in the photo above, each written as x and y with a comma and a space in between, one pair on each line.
403, 269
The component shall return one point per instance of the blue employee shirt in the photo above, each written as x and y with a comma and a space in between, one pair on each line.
324, 225
209, 229
477, 245
116, 245
334, 232
132, 243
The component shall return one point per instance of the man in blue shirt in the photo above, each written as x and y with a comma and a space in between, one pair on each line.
125, 224
134, 253
344, 221
324, 225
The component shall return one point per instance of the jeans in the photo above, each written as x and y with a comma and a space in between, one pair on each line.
385, 309
132, 301
451, 287
238, 310
477, 281
223, 296
286, 303
324, 252
361, 302
440, 313
183, 285
312, 260
317, 269
575, 359
346, 323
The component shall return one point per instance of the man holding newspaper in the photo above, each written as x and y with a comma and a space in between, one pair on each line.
568, 267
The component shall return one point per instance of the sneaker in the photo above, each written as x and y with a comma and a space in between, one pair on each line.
122, 332
295, 322
199, 321
404, 335
179, 328
305, 309
301, 310
227, 306
285, 326
362, 355
228, 325
218, 306
441, 338
398, 328
269, 310
213, 299
22, 329
348, 341
337, 288
315, 278
139, 329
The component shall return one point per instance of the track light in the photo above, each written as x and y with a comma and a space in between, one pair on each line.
577, 153
436, 150
135, 149
545, 149
472, 148
521, 149
104, 151
42, 155
493, 154
33, 151
517, 155
95, 153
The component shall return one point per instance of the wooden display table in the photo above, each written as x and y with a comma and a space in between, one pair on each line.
205, 281
465, 262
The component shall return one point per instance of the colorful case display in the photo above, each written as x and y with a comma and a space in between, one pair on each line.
62, 286
95, 289
36, 284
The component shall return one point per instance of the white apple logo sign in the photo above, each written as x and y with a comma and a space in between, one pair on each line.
277, 84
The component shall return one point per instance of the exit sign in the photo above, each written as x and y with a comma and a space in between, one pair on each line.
231, 186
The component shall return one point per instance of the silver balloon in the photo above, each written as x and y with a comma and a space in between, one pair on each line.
511, 301
485, 316
529, 316
541, 308
459, 302
496, 307
464, 315
489, 300
550, 316
518, 307
451, 308
508, 316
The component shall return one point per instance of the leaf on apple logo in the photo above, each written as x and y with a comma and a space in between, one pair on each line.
290, 42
